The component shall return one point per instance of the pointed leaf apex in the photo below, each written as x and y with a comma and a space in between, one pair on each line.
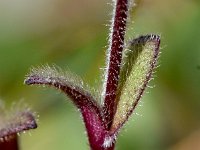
139, 60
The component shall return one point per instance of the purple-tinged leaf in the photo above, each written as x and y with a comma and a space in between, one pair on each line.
16, 121
139, 61
83, 100
67, 82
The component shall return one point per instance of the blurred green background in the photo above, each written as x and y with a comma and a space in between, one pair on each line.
73, 34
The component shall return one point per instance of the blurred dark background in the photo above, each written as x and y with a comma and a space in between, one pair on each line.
73, 34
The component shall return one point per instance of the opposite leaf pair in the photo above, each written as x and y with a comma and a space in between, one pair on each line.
127, 73
138, 63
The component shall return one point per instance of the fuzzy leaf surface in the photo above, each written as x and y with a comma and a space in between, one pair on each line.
15, 121
139, 60
79, 94
67, 82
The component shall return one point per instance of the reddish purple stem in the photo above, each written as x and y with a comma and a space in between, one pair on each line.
91, 116
117, 44
10, 144
98, 124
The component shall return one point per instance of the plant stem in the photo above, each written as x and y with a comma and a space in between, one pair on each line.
10, 144
100, 147
114, 59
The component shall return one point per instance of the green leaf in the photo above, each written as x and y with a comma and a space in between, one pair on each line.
138, 63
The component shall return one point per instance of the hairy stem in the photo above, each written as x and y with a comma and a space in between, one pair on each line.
114, 59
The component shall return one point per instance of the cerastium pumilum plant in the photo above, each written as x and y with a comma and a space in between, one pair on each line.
128, 70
